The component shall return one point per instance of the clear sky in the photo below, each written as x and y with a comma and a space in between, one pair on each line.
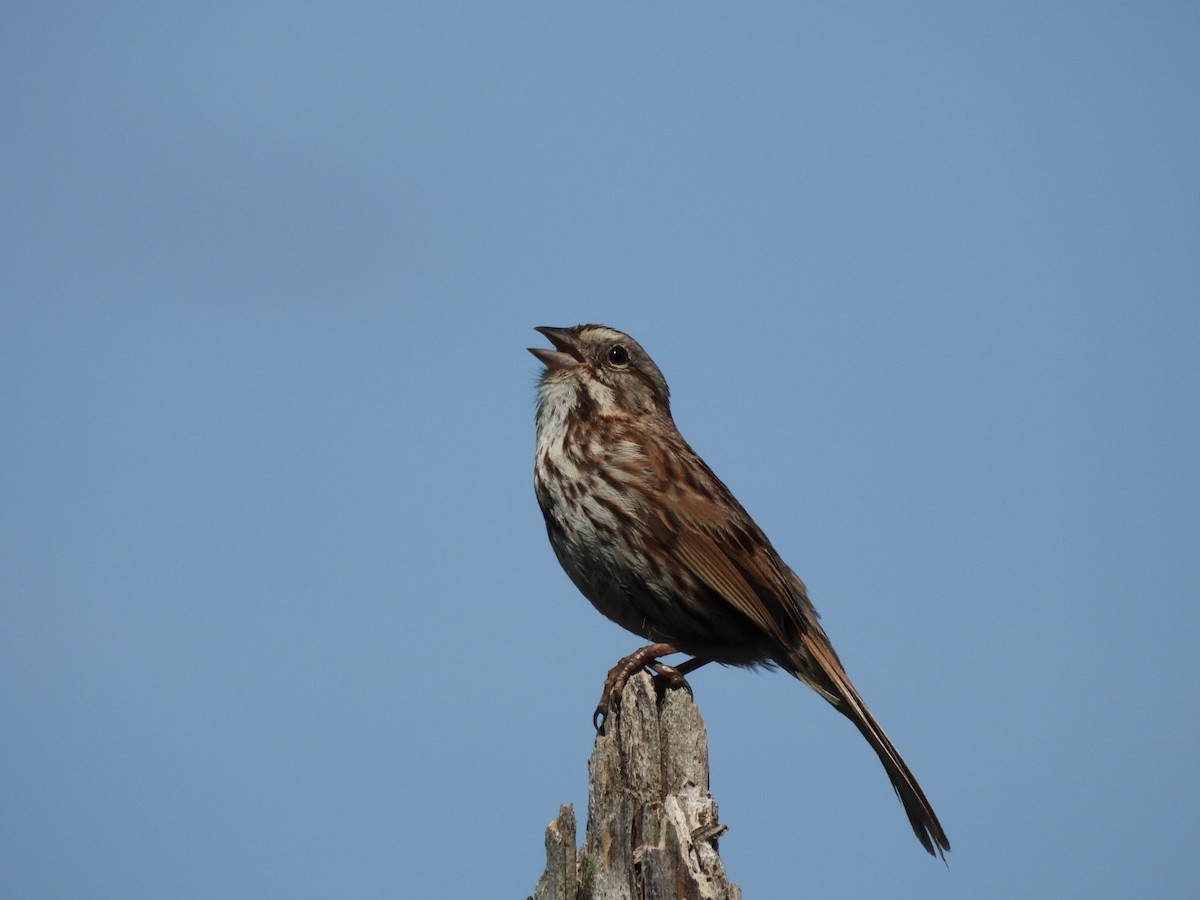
278, 617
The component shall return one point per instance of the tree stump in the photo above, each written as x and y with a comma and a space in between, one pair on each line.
652, 825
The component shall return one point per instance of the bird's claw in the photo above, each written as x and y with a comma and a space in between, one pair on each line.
619, 675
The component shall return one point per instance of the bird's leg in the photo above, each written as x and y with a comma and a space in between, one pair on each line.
673, 676
621, 673
646, 657
691, 665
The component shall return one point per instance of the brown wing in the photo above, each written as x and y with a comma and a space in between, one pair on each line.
709, 559
717, 541
756, 586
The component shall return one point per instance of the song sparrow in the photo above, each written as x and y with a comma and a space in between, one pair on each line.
659, 545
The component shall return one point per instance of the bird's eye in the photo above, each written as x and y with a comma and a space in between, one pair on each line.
618, 355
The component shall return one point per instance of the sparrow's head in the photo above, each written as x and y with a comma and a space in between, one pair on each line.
606, 370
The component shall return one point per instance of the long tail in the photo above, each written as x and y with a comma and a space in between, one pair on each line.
831, 681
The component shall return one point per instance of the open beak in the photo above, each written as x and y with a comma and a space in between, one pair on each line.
566, 353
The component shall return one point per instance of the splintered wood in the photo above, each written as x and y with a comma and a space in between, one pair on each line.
652, 826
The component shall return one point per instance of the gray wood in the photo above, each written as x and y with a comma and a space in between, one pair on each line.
652, 826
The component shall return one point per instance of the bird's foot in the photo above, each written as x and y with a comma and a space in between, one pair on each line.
645, 658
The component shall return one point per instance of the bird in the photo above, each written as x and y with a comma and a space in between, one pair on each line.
660, 546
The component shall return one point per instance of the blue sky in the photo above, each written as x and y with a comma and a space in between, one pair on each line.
279, 617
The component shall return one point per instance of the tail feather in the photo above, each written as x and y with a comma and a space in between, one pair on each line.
831, 681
